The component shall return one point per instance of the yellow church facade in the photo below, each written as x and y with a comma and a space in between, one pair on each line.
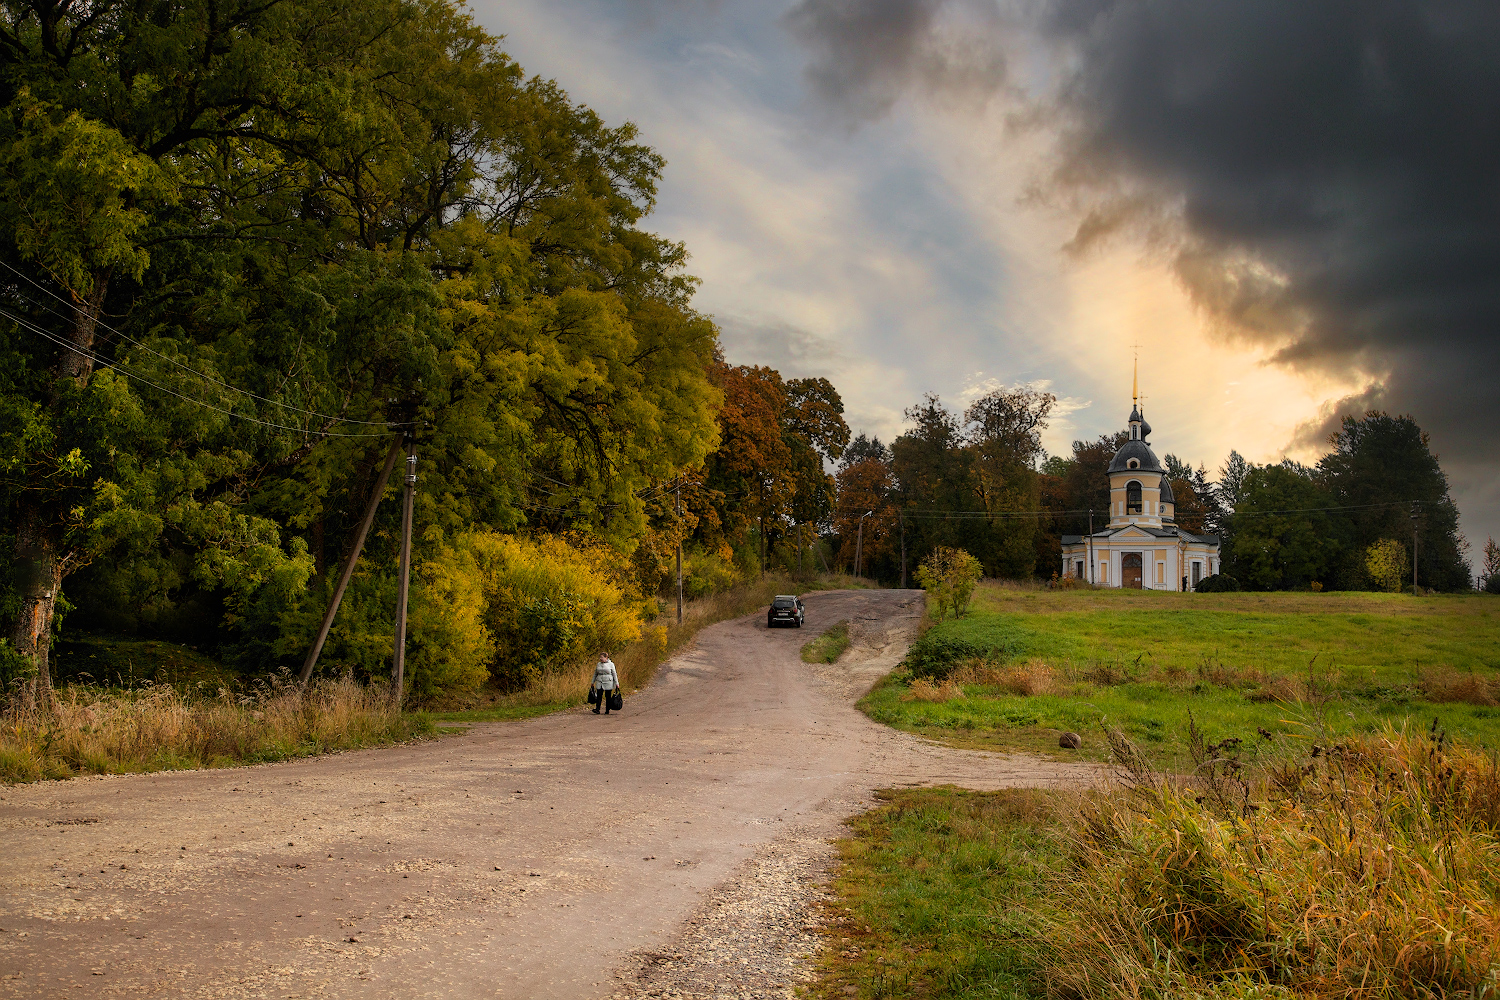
1141, 546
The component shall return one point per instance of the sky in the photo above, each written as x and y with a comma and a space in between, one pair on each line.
1288, 212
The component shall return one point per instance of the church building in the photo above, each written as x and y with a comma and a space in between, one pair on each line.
1141, 547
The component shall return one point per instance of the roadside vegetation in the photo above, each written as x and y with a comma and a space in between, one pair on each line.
1029, 663
156, 727
130, 706
828, 647
1363, 867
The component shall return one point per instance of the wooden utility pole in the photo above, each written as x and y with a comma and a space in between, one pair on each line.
1090, 547
901, 513
1414, 551
679, 553
348, 572
398, 659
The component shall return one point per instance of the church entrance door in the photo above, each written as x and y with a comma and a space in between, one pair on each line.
1130, 570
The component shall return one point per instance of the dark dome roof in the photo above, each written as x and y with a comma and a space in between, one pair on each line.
1141, 452
1166, 491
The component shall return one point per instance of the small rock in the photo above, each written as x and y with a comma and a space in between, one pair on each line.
1070, 741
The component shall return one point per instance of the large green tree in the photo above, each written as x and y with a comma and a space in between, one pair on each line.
243, 241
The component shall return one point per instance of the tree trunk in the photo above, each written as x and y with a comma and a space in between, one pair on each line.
40, 565
39, 574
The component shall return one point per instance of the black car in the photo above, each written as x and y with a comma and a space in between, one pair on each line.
786, 609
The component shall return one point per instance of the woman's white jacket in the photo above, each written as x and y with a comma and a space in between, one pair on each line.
605, 678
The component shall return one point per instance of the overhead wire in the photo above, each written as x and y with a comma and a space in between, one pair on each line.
206, 377
103, 362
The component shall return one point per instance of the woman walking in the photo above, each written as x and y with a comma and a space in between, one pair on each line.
606, 680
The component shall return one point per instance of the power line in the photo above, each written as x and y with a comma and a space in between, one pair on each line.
61, 341
179, 364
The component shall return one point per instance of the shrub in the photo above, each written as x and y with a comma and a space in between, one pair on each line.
949, 575
1218, 583
706, 573
449, 648
944, 648
1387, 564
547, 606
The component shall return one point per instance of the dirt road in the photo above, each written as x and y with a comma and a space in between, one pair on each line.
567, 856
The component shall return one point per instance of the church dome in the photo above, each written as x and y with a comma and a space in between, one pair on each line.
1145, 458
1166, 491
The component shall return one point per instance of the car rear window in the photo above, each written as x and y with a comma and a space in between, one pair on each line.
785, 602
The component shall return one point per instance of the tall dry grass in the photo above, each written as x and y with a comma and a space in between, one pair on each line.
93, 731
1369, 868
637, 662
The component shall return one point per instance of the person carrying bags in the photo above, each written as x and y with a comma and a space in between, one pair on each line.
606, 690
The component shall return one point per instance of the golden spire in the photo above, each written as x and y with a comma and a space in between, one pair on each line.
1135, 383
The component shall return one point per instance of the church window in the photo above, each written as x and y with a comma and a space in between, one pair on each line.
1133, 497
1133, 464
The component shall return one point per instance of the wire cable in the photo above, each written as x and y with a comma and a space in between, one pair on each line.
179, 364
63, 342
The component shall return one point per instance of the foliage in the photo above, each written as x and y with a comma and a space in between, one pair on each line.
306, 220
1217, 583
92, 730
451, 649
1283, 538
946, 646
707, 573
1387, 564
547, 606
1380, 466
949, 576
1490, 575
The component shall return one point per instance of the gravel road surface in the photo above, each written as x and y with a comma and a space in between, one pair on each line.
672, 849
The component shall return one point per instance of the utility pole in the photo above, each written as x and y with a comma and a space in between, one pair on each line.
1091, 546
398, 661
1414, 550
679, 552
348, 572
859, 543
901, 513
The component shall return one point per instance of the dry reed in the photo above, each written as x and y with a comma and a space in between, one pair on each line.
1364, 869
1445, 684
93, 731
923, 689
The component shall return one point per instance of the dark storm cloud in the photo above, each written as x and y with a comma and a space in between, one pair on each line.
867, 53
1336, 167
1326, 173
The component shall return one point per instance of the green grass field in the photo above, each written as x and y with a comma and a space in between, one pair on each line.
934, 896
1299, 664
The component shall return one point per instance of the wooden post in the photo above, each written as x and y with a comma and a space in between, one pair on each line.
348, 571
679, 553
398, 660
901, 513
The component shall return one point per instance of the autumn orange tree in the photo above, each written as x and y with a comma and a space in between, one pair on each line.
774, 437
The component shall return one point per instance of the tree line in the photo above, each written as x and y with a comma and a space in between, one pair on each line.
245, 246
979, 480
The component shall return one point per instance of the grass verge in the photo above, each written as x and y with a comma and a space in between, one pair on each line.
934, 896
1289, 664
95, 731
828, 647
1358, 869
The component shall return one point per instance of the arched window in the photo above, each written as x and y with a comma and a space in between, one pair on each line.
1133, 497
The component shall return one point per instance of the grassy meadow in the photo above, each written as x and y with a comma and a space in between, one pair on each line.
1295, 664
1364, 870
